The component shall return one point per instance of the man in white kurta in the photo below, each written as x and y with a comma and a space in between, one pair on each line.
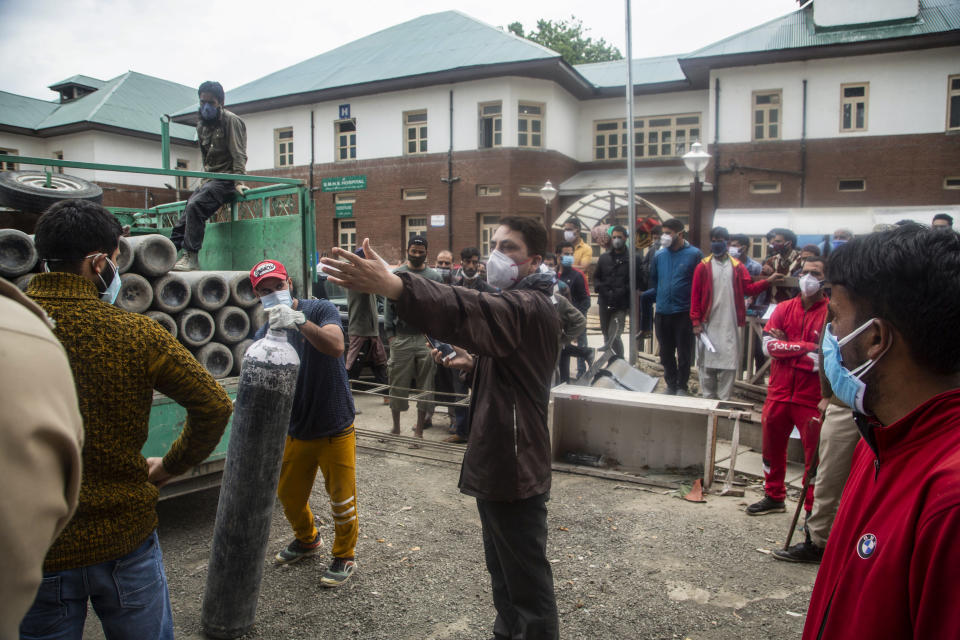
718, 369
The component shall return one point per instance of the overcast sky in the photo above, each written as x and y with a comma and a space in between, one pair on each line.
188, 41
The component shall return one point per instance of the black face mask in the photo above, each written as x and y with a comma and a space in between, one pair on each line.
416, 261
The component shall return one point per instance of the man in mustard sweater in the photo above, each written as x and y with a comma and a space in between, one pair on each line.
109, 553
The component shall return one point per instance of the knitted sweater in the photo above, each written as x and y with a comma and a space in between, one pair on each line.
118, 359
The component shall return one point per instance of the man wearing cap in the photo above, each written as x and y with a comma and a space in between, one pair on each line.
223, 147
321, 434
410, 358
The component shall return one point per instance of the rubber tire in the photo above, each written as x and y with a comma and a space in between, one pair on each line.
28, 196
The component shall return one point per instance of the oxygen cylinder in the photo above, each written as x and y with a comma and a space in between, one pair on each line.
261, 417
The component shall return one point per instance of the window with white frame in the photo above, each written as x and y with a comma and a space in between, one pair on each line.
58, 155
5, 165
182, 181
853, 106
654, 136
767, 115
283, 147
764, 186
953, 103
415, 128
488, 226
418, 193
491, 124
345, 134
414, 226
347, 234
951, 182
851, 184
528, 191
488, 190
530, 125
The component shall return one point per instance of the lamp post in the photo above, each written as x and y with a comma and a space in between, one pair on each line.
696, 161
548, 192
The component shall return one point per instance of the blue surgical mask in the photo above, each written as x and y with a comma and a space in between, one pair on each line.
837, 243
208, 111
718, 248
847, 385
277, 298
566, 261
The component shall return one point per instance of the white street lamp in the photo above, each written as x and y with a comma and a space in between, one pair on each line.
548, 192
696, 159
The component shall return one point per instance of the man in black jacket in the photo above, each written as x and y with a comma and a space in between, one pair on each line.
510, 342
612, 281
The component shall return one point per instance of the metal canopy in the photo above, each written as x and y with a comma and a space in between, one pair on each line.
594, 207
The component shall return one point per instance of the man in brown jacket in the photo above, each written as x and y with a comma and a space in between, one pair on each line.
41, 434
510, 345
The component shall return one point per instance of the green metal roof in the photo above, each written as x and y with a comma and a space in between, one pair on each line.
132, 101
657, 70
797, 30
432, 43
83, 81
24, 112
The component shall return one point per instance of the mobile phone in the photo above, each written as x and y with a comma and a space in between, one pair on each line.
446, 351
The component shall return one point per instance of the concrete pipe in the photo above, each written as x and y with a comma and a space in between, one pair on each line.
258, 317
239, 350
171, 293
210, 291
232, 325
153, 254
241, 291
165, 320
17, 253
195, 327
216, 359
125, 259
136, 294
24, 281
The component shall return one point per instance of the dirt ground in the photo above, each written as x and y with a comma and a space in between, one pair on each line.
630, 562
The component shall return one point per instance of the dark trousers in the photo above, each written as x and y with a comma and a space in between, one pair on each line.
580, 351
647, 298
461, 420
607, 326
515, 546
675, 334
188, 232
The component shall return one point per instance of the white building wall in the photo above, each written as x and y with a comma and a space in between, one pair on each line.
907, 94
111, 148
24, 146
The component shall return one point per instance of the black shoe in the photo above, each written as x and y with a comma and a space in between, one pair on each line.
767, 505
682, 392
801, 552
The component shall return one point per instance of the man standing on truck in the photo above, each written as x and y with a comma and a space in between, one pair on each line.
223, 146
321, 434
109, 553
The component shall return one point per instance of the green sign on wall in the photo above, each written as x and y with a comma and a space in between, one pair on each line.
344, 183
343, 209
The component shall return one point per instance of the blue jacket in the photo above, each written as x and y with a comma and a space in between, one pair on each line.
671, 275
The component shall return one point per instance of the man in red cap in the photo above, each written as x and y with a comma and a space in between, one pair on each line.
321, 434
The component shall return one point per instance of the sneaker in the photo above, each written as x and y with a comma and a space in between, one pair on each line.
455, 439
804, 551
187, 262
767, 505
297, 550
339, 572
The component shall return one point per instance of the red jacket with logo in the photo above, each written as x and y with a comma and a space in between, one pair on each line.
892, 564
701, 293
793, 373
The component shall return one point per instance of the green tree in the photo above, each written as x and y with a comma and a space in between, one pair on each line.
567, 38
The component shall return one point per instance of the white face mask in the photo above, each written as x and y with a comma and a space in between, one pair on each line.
502, 272
734, 252
277, 298
569, 235
809, 285
666, 240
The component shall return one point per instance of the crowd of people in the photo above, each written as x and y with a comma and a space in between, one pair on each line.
863, 365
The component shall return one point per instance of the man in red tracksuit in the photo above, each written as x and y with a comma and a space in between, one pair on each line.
791, 337
892, 353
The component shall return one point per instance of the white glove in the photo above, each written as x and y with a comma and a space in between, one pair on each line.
284, 317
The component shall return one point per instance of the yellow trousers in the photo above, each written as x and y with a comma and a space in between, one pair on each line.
335, 457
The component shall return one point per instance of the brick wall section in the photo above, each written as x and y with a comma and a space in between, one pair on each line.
135, 196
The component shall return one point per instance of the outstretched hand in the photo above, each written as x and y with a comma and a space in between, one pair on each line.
368, 275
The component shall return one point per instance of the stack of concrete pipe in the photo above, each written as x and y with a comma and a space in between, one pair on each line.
213, 313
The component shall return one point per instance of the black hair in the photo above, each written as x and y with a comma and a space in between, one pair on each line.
788, 235
549, 256
469, 252
70, 230
533, 232
212, 87
944, 216
657, 230
619, 228
888, 275
742, 239
720, 232
674, 225
812, 248
817, 258
563, 245
574, 221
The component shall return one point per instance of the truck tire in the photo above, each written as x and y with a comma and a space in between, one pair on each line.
27, 190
